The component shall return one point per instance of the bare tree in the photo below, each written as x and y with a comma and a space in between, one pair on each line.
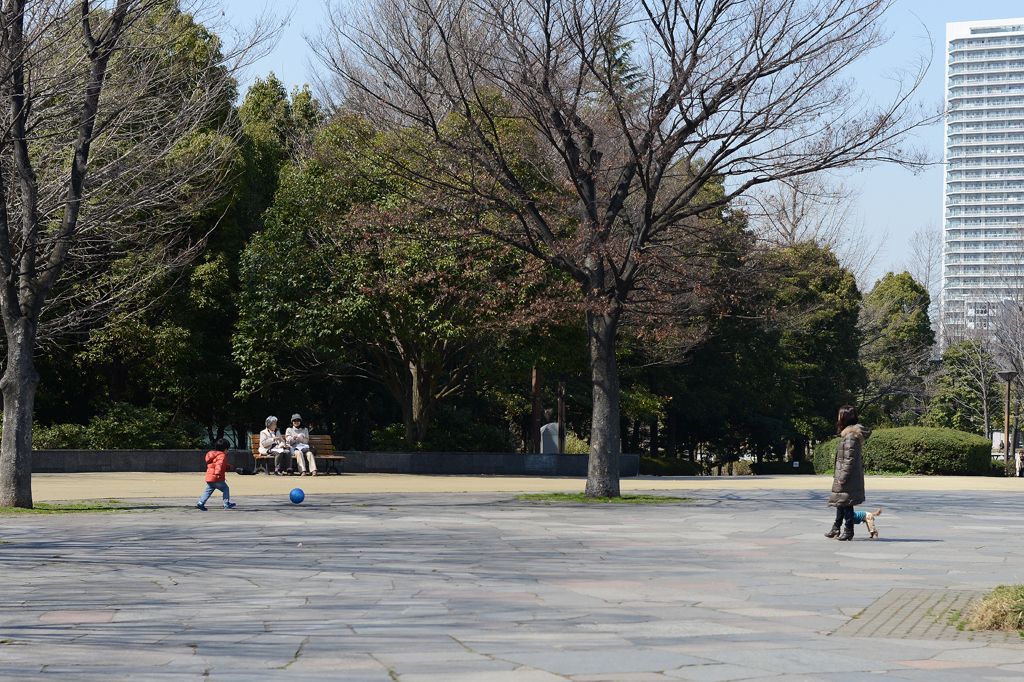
967, 390
600, 124
1006, 328
815, 208
924, 264
115, 137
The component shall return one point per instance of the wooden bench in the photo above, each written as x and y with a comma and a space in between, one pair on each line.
321, 446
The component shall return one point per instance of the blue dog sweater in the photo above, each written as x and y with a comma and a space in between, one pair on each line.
858, 517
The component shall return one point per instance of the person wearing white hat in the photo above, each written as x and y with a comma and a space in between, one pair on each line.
298, 438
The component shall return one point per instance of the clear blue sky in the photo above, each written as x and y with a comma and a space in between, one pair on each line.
892, 200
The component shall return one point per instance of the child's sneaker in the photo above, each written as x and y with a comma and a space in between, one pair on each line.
229, 505
200, 505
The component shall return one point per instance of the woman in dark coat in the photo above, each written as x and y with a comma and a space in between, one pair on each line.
848, 480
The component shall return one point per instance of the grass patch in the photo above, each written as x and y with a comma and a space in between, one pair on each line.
1002, 609
955, 620
625, 499
86, 507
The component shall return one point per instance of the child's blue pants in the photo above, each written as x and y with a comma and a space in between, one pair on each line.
216, 485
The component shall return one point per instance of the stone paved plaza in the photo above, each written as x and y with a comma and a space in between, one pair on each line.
480, 587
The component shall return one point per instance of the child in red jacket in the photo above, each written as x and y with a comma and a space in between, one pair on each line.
216, 465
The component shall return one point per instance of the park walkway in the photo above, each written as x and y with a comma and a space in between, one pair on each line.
481, 587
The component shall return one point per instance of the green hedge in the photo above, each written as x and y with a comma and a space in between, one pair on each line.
777, 468
122, 427
916, 450
668, 466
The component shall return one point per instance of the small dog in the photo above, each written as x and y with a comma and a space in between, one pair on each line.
868, 519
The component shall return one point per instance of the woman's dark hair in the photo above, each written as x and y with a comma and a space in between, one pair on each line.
221, 445
847, 417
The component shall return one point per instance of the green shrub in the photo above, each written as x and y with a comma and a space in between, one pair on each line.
126, 427
916, 450
449, 431
60, 437
574, 445
668, 466
390, 439
123, 427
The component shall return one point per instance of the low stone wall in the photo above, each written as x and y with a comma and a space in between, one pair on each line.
509, 464
81, 461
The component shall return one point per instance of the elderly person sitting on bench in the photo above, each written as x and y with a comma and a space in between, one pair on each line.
272, 443
298, 438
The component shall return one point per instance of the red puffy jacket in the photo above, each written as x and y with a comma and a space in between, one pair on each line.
216, 465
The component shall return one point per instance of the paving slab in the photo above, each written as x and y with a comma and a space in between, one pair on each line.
481, 587
723, 672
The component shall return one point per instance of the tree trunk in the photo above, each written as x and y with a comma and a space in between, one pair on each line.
410, 399
404, 397
420, 404
422, 423
538, 409
634, 438
411, 385
19, 391
670, 434
415, 403
654, 437
410, 422
985, 418
603, 467
239, 432
1011, 448
796, 448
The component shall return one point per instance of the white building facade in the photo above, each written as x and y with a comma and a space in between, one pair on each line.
984, 195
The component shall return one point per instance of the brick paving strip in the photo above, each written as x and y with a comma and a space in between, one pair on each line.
904, 613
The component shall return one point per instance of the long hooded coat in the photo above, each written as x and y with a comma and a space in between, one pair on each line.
849, 468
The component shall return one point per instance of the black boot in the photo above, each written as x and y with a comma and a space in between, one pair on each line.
847, 532
835, 530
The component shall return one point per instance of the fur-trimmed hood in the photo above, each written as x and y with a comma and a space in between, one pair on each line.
859, 430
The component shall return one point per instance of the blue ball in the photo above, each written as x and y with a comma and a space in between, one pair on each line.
296, 496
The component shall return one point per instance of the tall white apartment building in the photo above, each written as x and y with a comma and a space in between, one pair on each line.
984, 197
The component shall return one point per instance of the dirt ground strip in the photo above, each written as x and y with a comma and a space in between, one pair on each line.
119, 485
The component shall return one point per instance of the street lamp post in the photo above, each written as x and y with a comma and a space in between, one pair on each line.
1007, 376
